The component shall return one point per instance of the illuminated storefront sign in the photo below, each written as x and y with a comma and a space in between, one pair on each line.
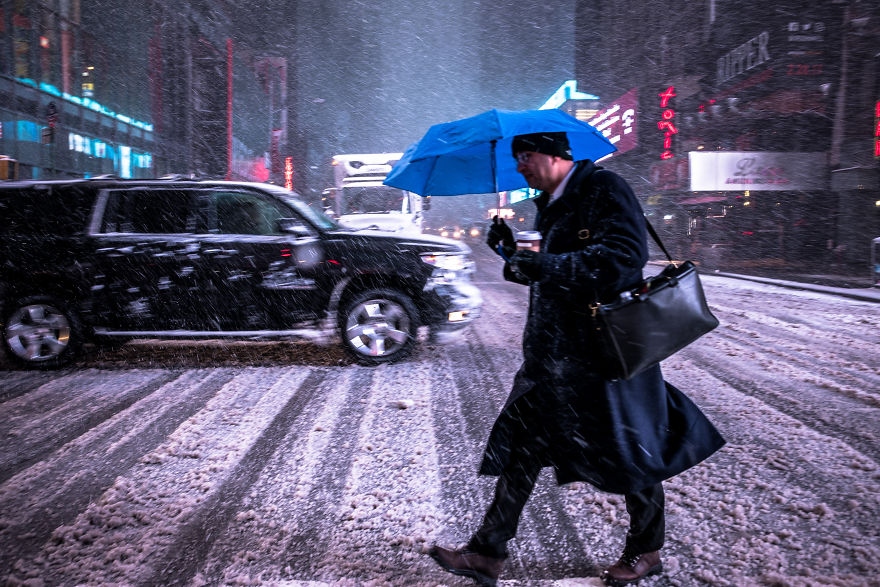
288, 173
757, 171
794, 50
666, 123
618, 122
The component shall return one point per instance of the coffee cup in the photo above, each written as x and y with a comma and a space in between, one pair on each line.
528, 240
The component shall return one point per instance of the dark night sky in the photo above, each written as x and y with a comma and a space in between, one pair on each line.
375, 75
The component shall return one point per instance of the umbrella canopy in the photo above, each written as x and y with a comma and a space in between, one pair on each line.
473, 155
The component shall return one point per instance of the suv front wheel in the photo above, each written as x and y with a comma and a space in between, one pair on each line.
378, 326
39, 332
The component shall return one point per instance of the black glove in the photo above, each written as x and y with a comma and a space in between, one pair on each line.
527, 265
500, 233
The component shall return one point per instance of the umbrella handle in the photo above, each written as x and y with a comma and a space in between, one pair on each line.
494, 166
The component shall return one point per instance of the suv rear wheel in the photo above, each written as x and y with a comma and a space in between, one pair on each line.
39, 332
378, 326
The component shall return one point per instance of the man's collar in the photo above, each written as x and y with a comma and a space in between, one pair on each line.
560, 189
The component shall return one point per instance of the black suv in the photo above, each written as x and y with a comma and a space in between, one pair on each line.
101, 260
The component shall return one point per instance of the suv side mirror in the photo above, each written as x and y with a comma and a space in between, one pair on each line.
294, 226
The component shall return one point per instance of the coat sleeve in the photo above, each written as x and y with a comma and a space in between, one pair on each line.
616, 249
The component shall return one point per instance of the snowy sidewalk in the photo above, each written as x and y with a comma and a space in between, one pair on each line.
867, 294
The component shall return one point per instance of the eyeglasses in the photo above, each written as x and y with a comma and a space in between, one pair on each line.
523, 157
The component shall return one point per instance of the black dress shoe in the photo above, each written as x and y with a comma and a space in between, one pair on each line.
631, 568
467, 563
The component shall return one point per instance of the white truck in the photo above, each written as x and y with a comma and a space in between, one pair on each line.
359, 199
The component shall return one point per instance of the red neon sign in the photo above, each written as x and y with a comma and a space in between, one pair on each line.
666, 123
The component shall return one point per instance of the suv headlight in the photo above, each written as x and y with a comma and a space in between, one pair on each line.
448, 267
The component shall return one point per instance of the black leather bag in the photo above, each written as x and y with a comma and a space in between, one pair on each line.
649, 323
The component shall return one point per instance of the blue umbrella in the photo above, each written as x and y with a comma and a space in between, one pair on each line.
473, 155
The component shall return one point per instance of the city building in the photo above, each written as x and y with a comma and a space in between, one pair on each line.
138, 89
52, 122
756, 125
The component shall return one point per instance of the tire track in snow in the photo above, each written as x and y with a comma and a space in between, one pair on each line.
280, 525
390, 512
68, 416
794, 390
124, 536
756, 361
781, 497
309, 544
822, 418
183, 558
760, 354
824, 351
17, 383
54, 491
462, 412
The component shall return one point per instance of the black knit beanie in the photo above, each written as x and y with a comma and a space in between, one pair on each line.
548, 143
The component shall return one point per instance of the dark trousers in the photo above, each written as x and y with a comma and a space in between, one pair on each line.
646, 509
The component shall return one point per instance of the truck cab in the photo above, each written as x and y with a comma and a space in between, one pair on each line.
359, 200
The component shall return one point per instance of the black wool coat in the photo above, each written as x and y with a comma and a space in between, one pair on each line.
620, 436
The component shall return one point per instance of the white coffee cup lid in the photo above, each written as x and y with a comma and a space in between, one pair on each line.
528, 235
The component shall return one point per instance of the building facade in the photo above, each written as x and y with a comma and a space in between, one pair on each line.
138, 89
757, 125
51, 121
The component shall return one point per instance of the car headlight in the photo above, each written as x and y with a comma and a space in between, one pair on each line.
448, 266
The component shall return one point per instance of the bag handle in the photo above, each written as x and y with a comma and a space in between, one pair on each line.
594, 306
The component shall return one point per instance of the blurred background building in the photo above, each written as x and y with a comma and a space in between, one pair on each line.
137, 89
758, 124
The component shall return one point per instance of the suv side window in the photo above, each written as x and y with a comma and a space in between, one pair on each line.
245, 213
150, 211
43, 213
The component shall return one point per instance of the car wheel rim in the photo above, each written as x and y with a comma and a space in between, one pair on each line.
377, 328
38, 332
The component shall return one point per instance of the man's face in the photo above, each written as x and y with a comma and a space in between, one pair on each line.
542, 172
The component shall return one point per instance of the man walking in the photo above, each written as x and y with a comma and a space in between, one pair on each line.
621, 436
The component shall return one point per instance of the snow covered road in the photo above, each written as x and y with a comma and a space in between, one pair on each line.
284, 464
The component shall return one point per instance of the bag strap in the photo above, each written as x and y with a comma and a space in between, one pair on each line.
657, 240
650, 227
